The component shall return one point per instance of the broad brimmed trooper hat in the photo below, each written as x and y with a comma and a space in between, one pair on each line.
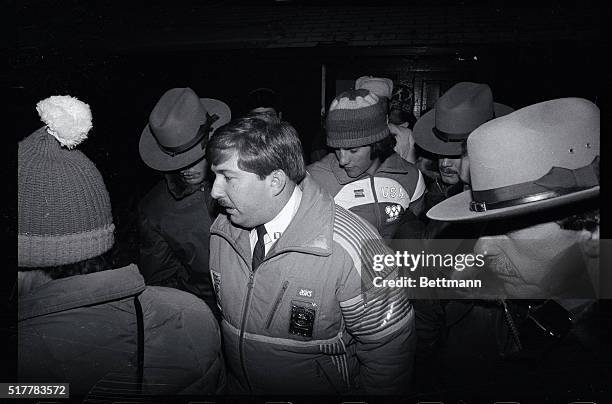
179, 127
460, 110
541, 156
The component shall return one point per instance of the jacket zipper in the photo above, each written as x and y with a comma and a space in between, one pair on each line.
277, 301
242, 327
376, 207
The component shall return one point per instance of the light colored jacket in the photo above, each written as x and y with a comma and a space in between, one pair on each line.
308, 320
385, 199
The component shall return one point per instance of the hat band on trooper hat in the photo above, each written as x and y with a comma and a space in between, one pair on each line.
450, 137
200, 138
558, 181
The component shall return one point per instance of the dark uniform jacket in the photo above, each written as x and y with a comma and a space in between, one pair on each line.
174, 230
83, 330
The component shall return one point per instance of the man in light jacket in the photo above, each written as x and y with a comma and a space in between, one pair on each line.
294, 277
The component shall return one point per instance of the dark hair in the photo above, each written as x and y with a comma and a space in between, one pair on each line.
383, 148
405, 116
263, 98
96, 264
264, 117
586, 220
262, 145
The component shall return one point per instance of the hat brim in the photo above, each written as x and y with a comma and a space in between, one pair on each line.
427, 140
457, 207
154, 157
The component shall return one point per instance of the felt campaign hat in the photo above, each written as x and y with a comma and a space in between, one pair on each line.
460, 110
541, 156
179, 127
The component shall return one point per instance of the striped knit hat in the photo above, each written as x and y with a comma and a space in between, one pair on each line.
356, 118
64, 211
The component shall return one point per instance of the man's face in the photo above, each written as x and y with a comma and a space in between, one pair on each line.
450, 169
522, 258
243, 194
355, 161
195, 173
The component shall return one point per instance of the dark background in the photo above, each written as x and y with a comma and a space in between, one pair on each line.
120, 57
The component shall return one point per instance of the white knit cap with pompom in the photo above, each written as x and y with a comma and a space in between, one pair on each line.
68, 119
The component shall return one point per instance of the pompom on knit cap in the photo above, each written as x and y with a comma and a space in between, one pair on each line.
67, 118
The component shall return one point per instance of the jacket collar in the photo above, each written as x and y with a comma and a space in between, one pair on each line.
81, 290
393, 164
310, 230
179, 189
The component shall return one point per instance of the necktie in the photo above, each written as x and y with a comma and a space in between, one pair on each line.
259, 252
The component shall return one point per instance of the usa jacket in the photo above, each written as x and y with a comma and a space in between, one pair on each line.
83, 330
392, 197
308, 320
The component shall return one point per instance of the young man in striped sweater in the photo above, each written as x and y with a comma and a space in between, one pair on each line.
364, 174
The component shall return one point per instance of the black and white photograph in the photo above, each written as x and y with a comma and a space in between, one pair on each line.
303, 201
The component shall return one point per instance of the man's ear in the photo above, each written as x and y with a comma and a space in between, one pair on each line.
280, 115
277, 180
590, 242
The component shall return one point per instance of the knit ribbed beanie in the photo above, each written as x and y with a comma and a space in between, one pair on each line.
64, 211
356, 118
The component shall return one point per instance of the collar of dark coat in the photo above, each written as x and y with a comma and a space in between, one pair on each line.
448, 190
81, 290
310, 231
393, 164
178, 188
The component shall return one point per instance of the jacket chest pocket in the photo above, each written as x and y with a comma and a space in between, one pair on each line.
295, 310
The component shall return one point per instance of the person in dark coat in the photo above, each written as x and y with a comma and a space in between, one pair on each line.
535, 184
82, 319
176, 215
443, 132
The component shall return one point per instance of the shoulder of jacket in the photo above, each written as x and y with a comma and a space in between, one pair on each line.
397, 161
410, 177
352, 229
322, 173
323, 165
175, 300
190, 317
358, 238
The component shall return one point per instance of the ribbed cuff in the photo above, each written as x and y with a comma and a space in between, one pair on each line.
356, 139
47, 251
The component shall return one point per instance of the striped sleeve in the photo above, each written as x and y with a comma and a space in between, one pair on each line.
420, 188
370, 312
380, 320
